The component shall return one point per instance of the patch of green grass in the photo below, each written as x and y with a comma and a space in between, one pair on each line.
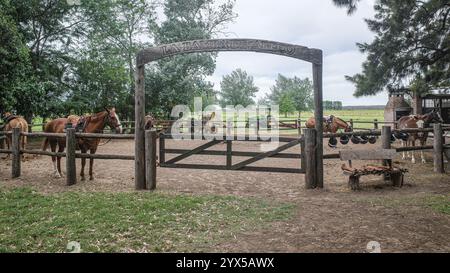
120, 222
439, 203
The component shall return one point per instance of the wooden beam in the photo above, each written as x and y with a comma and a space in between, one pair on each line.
15, 148
194, 151
438, 158
139, 146
150, 158
386, 134
71, 168
318, 113
367, 155
310, 158
266, 154
229, 154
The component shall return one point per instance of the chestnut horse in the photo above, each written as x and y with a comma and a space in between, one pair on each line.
414, 121
331, 124
89, 124
12, 121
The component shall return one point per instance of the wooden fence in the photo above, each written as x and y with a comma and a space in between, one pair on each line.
307, 156
70, 153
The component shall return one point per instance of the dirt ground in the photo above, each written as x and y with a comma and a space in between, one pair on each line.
334, 219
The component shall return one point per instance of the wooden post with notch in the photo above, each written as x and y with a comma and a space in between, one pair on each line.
150, 159
310, 158
386, 144
375, 124
438, 157
71, 169
15, 147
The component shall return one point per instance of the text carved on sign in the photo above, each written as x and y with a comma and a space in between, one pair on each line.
251, 45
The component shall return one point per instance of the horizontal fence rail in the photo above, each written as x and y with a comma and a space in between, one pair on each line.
306, 156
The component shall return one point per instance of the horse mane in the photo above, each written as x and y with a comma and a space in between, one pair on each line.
95, 116
338, 118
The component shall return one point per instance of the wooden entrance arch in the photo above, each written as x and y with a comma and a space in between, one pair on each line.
146, 56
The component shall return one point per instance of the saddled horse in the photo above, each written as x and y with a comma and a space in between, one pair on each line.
87, 124
412, 122
331, 124
13, 121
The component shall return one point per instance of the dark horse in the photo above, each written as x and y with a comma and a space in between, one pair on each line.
88, 124
417, 121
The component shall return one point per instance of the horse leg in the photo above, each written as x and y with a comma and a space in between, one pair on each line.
413, 157
408, 153
83, 163
422, 156
61, 148
404, 144
91, 164
53, 148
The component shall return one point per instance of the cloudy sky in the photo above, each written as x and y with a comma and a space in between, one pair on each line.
311, 23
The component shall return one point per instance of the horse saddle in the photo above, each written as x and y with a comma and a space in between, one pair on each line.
328, 121
9, 118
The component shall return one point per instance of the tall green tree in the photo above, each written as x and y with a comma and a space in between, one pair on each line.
48, 29
237, 88
121, 28
14, 59
177, 80
300, 91
411, 48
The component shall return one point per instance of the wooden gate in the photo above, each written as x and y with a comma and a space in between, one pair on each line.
229, 153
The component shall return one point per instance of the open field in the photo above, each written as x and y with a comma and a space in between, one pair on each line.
204, 210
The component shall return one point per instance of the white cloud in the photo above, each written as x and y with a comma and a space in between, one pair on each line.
311, 23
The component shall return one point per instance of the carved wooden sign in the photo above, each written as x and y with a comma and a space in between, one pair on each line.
294, 51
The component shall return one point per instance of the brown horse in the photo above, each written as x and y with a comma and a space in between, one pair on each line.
89, 124
149, 121
331, 124
12, 121
417, 121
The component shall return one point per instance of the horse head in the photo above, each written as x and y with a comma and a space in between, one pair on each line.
432, 117
149, 122
113, 121
208, 124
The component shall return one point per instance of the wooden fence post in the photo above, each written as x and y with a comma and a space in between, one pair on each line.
302, 153
310, 158
257, 126
299, 126
162, 149
150, 158
193, 128
375, 124
139, 131
386, 144
15, 146
71, 169
229, 154
438, 157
